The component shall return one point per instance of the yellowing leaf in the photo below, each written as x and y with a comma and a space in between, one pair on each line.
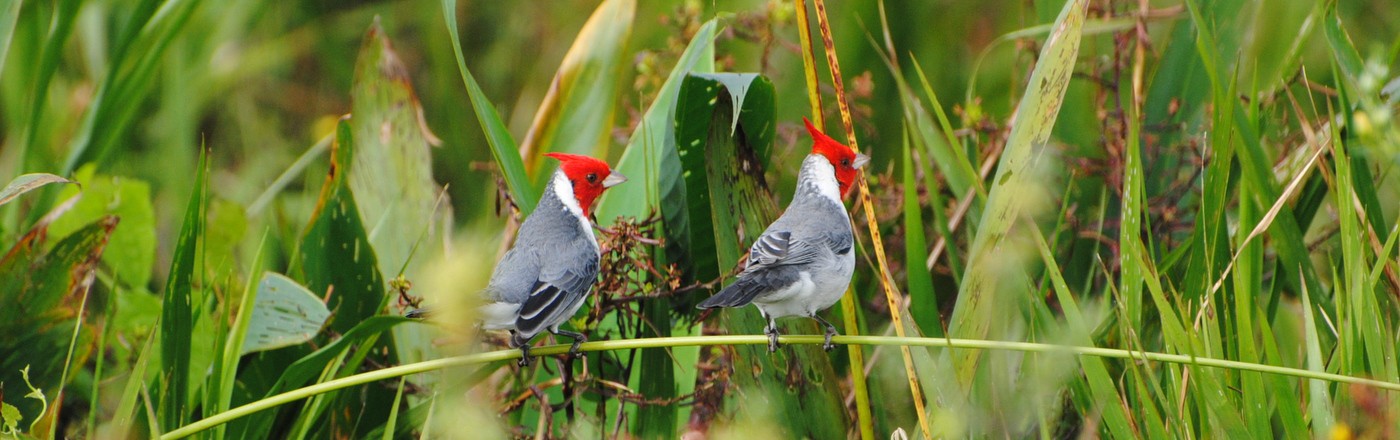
26, 183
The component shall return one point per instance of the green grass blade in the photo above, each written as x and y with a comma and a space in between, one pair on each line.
1319, 398
226, 368
9, 14
65, 12
947, 128
1343, 51
394, 411
1105, 395
503, 147
130, 76
923, 301
1248, 277
177, 309
125, 417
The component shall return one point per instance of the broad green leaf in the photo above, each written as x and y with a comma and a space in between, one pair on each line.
686, 208
336, 256
337, 259
795, 384
503, 147
133, 248
576, 115
27, 182
9, 419
392, 171
284, 313
177, 307
43, 291
984, 296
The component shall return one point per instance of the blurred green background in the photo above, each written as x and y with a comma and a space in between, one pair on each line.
123, 95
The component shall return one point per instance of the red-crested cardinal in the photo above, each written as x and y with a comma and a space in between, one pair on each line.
802, 263
549, 272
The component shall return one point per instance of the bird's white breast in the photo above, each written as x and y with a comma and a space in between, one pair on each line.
565, 191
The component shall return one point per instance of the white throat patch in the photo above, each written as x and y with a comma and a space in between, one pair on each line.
818, 173
565, 192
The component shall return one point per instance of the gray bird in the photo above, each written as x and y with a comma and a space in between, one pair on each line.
802, 263
549, 272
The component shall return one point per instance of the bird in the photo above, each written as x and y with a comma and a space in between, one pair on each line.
803, 262
549, 272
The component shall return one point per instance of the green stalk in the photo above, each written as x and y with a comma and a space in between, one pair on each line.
686, 341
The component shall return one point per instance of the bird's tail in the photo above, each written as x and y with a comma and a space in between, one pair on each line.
418, 313
739, 294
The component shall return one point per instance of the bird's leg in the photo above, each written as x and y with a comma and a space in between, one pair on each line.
772, 331
523, 345
830, 331
579, 338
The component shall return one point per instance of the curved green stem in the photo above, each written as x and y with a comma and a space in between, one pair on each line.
502, 355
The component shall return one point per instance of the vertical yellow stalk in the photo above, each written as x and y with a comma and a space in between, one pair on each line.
885, 279
848, 301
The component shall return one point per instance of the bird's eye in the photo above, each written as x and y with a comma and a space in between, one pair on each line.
592, 178
845, 162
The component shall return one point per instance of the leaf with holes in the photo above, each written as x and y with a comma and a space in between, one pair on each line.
392, 168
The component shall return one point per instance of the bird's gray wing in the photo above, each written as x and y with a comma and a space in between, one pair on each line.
776, 261
561, 285
778, 248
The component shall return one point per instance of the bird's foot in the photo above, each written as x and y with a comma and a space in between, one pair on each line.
830, 332
525, 357
579, 339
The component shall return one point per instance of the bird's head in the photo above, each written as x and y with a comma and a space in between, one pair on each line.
588, 176
845, 160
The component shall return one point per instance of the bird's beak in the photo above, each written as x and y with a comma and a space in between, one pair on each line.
861, 160
613, 179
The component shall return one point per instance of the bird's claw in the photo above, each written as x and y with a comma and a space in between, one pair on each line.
830, 332
574, 352
525, 357
772, 340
